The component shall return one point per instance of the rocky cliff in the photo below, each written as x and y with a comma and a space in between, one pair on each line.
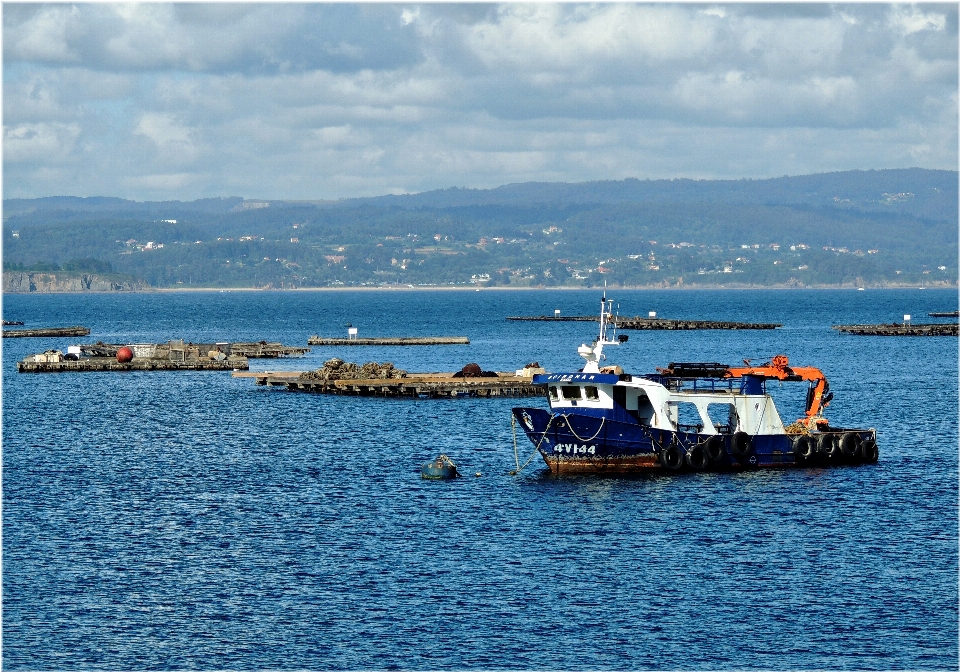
17, 282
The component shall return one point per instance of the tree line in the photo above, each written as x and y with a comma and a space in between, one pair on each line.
781, 232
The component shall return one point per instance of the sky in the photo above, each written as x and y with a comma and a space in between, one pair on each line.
160, 101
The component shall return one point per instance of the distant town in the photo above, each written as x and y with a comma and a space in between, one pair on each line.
841, 229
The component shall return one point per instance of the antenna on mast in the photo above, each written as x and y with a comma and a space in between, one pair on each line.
594, 353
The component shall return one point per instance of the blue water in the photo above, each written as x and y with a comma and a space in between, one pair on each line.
196, 521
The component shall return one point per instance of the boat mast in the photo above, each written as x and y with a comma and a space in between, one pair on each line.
593, 353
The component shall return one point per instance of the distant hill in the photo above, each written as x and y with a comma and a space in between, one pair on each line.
926, 193
857, 227
119, 206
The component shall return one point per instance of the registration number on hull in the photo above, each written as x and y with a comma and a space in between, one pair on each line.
574, 449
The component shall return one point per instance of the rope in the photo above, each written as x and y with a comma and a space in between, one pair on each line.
513, 426
658, 445
535, 450
599, 429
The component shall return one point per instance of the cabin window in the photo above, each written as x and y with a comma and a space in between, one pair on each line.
723, 417
591, 392
570, 392
688, 417
645, 410
553, 393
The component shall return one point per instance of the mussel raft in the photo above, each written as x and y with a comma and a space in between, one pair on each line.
689, 416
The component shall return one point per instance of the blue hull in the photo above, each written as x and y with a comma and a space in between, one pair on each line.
572, 443
438, 472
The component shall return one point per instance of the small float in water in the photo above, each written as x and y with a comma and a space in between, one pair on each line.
695, 416
441, 468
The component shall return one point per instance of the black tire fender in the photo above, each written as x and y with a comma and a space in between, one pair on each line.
850, 445
803, 448
697, 457
827, 446
672, 457
715, 448
741, 444
869, 451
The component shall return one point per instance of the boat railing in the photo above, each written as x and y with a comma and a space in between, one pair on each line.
713, 384
682, 427
704, 385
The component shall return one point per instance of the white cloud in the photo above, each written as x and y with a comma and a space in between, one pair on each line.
33, 143
910, 19
163, 130
408, 16
43, 36
162, 183
174, 141
335, 136
331, 100
575, 38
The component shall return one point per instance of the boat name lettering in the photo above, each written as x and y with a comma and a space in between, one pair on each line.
574, 449
570, 377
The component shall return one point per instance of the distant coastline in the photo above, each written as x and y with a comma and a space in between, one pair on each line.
501, 288
435, 288
887, 228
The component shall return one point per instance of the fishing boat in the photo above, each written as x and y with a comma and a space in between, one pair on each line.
695, 416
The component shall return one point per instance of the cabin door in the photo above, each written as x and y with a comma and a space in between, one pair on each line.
620, 404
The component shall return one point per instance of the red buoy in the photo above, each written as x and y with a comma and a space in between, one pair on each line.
124, 355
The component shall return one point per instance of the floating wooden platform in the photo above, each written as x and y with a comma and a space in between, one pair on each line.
680, 325
955, 313
417, 385
179, 351
650, 322
554, 318
137, 364
264, 350
899, 329
37, 333
411, 340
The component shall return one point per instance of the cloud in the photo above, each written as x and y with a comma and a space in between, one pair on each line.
34, 143
171, 138
42, 35
246, 37
911, 19
152, 100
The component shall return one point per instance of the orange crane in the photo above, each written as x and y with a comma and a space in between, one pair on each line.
779, 369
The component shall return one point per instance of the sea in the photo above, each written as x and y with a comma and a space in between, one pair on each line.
197, 521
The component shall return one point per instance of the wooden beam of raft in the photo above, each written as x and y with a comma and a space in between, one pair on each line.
898, 329
554, 318
408, 340
417, 385
651, 322
53, 332
137, 364
683, 325
263, 350
178, 350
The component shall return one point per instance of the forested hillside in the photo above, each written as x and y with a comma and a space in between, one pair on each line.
861, 227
